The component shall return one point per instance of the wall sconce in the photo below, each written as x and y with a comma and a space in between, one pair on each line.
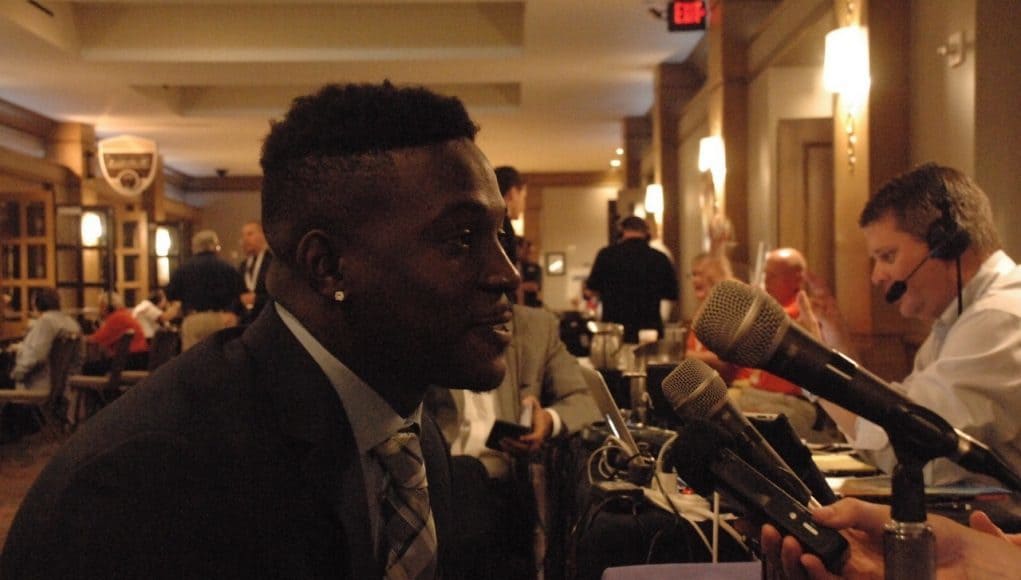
654, 200
163, 242
846, 73
92, 228
712, 157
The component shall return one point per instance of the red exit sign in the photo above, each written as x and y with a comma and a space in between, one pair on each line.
686, 15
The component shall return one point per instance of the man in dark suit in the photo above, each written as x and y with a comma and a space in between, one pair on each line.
255, 454
254, 268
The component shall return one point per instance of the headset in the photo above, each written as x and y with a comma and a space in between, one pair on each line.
945, 238
947, 241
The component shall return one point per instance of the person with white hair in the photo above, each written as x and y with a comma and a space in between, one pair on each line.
209, 289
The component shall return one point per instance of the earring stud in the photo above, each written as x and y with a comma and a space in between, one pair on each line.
339, 296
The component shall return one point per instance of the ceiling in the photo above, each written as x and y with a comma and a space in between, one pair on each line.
548, 81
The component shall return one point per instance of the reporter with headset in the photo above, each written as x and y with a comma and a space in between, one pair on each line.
937, 255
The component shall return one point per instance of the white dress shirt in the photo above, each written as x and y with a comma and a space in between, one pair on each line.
372, 419
968, 370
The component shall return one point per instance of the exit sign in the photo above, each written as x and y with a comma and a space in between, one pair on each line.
686, 15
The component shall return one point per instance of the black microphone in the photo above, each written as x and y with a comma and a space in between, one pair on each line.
898, 288
696, 391
703, 457
746, 326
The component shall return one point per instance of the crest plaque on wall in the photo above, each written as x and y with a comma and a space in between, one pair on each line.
128, 163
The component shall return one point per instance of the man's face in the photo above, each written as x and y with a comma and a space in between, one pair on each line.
516, 201
252, 239
782, 280
428, 280
895, 254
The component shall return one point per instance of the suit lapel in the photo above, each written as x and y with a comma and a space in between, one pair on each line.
308, 410
509, 399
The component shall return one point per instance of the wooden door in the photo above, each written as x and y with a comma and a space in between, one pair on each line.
805, 199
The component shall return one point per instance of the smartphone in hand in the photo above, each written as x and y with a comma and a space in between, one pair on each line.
503, 429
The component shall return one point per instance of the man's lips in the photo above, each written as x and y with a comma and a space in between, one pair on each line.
497, 321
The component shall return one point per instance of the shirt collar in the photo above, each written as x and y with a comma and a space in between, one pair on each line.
372, 419
991, 269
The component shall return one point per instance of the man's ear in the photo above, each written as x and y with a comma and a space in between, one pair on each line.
319, 258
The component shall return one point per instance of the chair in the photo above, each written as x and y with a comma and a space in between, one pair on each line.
166, 344
47, 404
101, 389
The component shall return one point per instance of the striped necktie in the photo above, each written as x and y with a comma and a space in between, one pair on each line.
408, 530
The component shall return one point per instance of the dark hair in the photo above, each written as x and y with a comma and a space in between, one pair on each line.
507, 177
157, 296
329, 159
47, 299
633, 223
916, 200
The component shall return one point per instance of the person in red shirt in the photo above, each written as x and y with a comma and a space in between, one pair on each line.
116, 321
785, 277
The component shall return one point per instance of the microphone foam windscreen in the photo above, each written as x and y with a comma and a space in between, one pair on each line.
694, 389
741, 324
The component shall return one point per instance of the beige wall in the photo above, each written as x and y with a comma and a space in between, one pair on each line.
778, 93
942, 98
997, 115
225, 213
967, 116
574, 221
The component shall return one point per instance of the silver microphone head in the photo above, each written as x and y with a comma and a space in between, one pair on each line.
694, 389
741, 324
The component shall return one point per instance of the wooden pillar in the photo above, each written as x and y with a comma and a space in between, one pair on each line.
675, 85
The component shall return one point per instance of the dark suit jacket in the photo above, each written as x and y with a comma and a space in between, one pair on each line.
234, 460
261, 294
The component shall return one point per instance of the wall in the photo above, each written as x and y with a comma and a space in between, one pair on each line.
778, 93
966, 116
997, 122
574, 221
942, 98
225, 213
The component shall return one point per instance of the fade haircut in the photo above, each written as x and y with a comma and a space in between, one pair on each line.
915, 200
329, 163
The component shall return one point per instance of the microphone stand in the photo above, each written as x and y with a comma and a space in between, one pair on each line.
909, 546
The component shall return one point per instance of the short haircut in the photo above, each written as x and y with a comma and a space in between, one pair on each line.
633, 223
507, 178
328, 164
916, 199
205, 241
47, 299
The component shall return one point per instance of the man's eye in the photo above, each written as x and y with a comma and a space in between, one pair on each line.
463, 239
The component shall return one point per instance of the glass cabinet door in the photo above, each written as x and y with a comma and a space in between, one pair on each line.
26, 255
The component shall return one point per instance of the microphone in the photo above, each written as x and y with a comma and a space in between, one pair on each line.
748, 327
696, 391
898, 288
703, 457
